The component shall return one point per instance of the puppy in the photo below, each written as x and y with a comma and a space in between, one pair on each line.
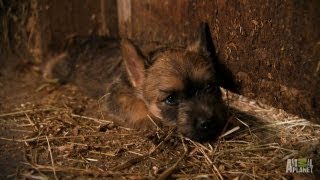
175, 87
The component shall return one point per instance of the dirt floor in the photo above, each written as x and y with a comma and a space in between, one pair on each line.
51, 131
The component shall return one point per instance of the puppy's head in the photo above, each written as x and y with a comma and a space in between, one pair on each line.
180, 88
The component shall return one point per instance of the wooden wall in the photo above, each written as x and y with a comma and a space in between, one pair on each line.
53, 22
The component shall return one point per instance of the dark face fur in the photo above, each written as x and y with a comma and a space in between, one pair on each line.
180, 88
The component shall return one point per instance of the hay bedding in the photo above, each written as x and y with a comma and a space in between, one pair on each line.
68, 137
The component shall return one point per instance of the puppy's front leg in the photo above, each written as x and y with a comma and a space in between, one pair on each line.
129, 110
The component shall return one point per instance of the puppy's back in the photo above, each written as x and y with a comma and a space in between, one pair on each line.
91, 64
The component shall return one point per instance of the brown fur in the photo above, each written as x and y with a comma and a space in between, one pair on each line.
178, 88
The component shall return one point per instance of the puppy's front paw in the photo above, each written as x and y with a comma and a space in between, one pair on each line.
147, 124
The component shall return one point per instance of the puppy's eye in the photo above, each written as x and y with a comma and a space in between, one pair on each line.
210, 88
172, 100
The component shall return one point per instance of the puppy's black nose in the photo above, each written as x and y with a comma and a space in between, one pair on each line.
208, 128
204, 124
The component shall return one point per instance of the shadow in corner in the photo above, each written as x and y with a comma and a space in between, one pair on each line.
250, 124
224, 75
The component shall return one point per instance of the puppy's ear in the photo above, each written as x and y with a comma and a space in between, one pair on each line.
134, 63
200, 45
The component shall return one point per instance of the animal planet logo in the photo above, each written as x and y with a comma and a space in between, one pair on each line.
301, 165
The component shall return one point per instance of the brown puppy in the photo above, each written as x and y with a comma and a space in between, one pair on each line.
178, 88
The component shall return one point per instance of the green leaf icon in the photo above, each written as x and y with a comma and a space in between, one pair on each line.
302, 163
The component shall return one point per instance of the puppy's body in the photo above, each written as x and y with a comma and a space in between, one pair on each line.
173, 87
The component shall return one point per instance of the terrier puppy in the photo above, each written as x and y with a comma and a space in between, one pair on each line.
175, 86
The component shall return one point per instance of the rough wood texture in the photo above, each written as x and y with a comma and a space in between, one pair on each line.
272, 47
53, 22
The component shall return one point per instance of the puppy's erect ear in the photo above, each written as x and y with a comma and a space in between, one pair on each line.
134, 63
201, 43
